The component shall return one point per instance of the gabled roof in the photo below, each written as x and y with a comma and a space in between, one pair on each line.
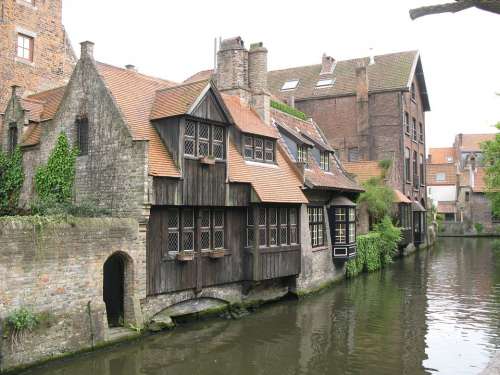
44, 105
440, 155
200, 76
446, 207
334, 179
246, 119
363, 170
472, 142
449, 170
177, 100
390, 72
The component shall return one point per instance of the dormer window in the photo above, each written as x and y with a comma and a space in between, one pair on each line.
302, 154
12, 137
324, 161
325, 82
290, 85
258, 149
202, 139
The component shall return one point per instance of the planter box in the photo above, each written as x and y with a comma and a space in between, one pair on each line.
185, 256
216, 254
207, 160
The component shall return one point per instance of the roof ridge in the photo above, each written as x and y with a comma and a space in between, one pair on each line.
145, 76
45, 91
182, 85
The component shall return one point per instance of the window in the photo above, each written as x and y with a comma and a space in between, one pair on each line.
440, 176
201, 139
302, 154
467, 196
413, 91
406, 120
405, 216
290, 85
324, 161
183, 228
422, 174
344, 224
414, 127
421, 132
449, 159
407, 164
82, 135
258, 149
316, 226
415, 169
277, 226
325, 82
13, 136
25, 47
353, 154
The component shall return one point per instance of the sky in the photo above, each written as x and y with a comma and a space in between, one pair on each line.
175, 39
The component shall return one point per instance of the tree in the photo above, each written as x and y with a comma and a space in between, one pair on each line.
491, 158
459, 5
11, 181
378, 198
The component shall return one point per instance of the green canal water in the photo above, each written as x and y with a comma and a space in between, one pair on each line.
435, 312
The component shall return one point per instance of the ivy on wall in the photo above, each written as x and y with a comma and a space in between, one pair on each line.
11, 181
54, 181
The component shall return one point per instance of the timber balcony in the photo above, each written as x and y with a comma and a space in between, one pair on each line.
273, 262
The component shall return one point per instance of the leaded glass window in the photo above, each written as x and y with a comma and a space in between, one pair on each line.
324, 161
273, 226
201, 139
218, 229
344, 225
258, 148
262, 227
316, 225
190, 139
283, 225
294, 238
173, 230
218, 142
269, 153
188, 229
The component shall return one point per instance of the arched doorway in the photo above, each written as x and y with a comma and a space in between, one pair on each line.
114, 289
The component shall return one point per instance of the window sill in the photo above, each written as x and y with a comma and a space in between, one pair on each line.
320, 248
24, 61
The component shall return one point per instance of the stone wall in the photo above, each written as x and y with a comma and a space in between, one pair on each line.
55, 269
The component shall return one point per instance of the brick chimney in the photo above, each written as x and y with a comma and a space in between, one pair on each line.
362, 112
87, 50
257, 80
327, 64
232, 66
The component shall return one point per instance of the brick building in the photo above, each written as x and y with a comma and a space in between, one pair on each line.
35, 52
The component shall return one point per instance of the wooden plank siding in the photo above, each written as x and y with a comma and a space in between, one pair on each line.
273, 263
204, 185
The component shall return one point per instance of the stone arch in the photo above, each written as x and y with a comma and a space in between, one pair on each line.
118, 289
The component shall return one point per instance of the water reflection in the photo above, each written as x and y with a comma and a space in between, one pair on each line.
435, 312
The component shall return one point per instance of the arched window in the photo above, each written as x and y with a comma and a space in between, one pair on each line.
12, 137
82, 135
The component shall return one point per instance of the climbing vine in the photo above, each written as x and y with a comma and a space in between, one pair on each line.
11, 181
54, 181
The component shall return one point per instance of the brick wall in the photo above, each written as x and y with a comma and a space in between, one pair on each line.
57, 268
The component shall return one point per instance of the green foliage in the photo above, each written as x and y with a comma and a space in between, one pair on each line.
390, 237
491, 159
20, 322
385, 165
479, 228
376, 249
54, 181
287, 109
11, 181
53, 208
378, 198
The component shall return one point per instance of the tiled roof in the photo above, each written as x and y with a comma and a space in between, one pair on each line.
363, 170
31, 135
134, 94
308, 129
479, 179
440, 155
445, 207
472, 142
177, 100
44, 105
246, 119
390, 72
449, 170
200, 76
399, 197
272, 183
34, 107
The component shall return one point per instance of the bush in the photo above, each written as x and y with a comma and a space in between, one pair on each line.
378, 198
11, 181
53, 208
19, 323
287, 109
390, 237
479, 228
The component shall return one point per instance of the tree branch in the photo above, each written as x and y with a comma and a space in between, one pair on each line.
442, 8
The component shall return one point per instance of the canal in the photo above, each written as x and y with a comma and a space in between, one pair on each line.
435, 312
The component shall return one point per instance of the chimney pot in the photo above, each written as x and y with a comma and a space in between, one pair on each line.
87, 50
327, 64
131, 67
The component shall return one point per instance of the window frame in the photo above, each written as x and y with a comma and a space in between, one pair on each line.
302, 154
407, 158
13, 137
82, 135
197, 140
325, 82
324, 161
406, 122
317, 230
349, 222
286, 220
414, 129
30, 48
294, 87
422, 172
413, 92
264, 149
440, 176
349, 154
415, 169
421, 132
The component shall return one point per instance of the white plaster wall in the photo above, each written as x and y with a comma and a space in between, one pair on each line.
441, 193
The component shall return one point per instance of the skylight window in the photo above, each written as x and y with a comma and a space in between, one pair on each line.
325, 82
290, 85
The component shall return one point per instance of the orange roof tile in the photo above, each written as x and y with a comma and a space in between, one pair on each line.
445, 207
246, 119
399, 197
200, 76
335, 178
31, 135
177, 100
449, 170
50, 100
472, 142
272, 183
440, 155
363, 170
134, 94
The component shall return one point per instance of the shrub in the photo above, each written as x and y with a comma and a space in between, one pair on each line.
479, 228
390, 237
19, 322
287, 109
54, 181
11, 181
378, 198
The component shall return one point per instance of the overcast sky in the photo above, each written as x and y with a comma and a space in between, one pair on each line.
174, 39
